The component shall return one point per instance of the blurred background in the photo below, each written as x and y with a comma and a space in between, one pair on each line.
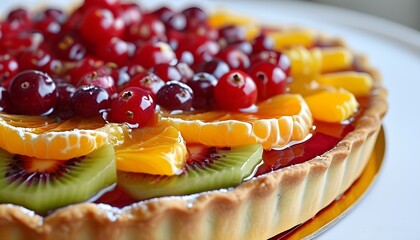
406, 12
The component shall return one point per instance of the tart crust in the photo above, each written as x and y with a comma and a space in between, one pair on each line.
257, 209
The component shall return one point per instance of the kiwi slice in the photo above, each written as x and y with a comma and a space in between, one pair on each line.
42, 185
207, 169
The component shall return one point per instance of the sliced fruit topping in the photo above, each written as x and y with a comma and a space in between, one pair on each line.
42, 137
357, 83
273, 123
332, 106
292, 37
207, 168
43, 185
316, 60
159, 151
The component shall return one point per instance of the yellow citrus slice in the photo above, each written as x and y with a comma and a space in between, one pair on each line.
292, 37
273, 124
357, 83
332, 106
159, 151
43, 138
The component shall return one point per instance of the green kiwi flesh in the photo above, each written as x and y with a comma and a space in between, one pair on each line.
226, 168
76, 180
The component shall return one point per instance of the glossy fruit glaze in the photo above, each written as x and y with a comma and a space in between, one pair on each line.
324, 138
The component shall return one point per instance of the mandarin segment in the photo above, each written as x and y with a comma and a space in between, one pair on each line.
157, 151
292, 37
358, 83
42, 138
275, 123
336, 59
332, 106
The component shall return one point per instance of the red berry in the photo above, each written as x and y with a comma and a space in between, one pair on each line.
202, 85
108, 4
64, 108
99, 25
49, 27
8, 69
167, 72
115, 50
262, 43
90, 101
152, 54
200, 49
232, 33
130, 13
235, 58
176, 21
196, 17
269, 78
149, 28
149, 82
133, 106
215, 67
175, 96
40, 60
273, 57
88, 64
70, 48
4, 99
235, 90
32, 93
100, 78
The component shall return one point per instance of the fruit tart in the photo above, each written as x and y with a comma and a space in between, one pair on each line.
120, 122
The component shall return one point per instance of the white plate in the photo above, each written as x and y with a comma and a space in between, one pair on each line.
391, 209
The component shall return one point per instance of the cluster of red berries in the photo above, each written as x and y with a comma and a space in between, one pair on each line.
117, 58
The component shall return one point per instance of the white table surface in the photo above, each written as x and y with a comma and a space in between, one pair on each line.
391, 208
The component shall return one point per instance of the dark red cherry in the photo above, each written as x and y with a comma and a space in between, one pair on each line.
215, 67
147, 81
175, 96
269, 78
99, 25
167, 72
202, 85
64, 107
235, 90
90, 101
151, 54
32, 93
134, 106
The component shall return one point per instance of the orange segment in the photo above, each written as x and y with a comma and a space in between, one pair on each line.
43, 138
274, 123
158, 151
292, 37
357, 83
332, 106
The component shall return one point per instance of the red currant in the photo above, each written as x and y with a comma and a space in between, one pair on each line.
63, 108
175, 96
149, 28
32, 93
269, 78
134, 106
99, 25
130, 13
273, 57
262, 43
215, 67
152, 54
70, 48
167, 72
231, 33
149, 82
8, 68
115, 50
100, 78
235, 58
235, 90
4, 99
90, 101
